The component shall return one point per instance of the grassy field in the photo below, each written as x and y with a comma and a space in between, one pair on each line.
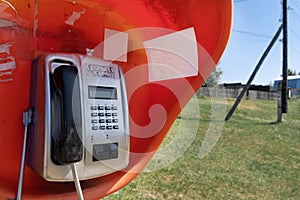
254, 158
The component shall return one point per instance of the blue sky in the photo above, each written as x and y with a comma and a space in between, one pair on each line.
255, 22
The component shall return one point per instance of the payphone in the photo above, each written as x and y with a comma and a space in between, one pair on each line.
80, 115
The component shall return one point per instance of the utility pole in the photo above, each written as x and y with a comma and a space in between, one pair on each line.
283, 98
284, 89
246, 88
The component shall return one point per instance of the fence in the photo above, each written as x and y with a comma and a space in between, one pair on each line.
294, 93
234, 93
253, 95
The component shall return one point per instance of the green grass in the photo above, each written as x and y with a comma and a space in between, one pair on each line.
254, 158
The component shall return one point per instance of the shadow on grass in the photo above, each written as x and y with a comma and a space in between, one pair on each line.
253, 123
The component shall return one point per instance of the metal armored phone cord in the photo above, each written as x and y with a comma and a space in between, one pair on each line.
27, 119
76, 181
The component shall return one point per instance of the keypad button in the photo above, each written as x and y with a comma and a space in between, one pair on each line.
115, 127
93, 107
94, 121
94, 114
103, 117
114, 108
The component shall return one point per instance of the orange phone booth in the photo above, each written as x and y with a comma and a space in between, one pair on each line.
131, 67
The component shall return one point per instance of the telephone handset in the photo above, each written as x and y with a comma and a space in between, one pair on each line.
80, 114
65, 137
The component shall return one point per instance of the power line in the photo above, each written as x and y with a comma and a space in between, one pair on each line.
246, 88
297, 17
294, 33
252, 41
252, 34
297, 4
238, 1
294, 49
293, 12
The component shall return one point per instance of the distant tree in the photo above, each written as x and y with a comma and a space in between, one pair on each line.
214, 78
291, 72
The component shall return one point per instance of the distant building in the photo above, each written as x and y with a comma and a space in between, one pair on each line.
262, 88
293, 85
254, 92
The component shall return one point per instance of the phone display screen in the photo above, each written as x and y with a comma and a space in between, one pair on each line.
100, 92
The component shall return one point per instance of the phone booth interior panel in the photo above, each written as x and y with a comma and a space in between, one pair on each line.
147, 36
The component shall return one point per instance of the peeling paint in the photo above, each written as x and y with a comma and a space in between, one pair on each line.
7, 63
35, 18
10, 5
74, 17
6, 23
9, 16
